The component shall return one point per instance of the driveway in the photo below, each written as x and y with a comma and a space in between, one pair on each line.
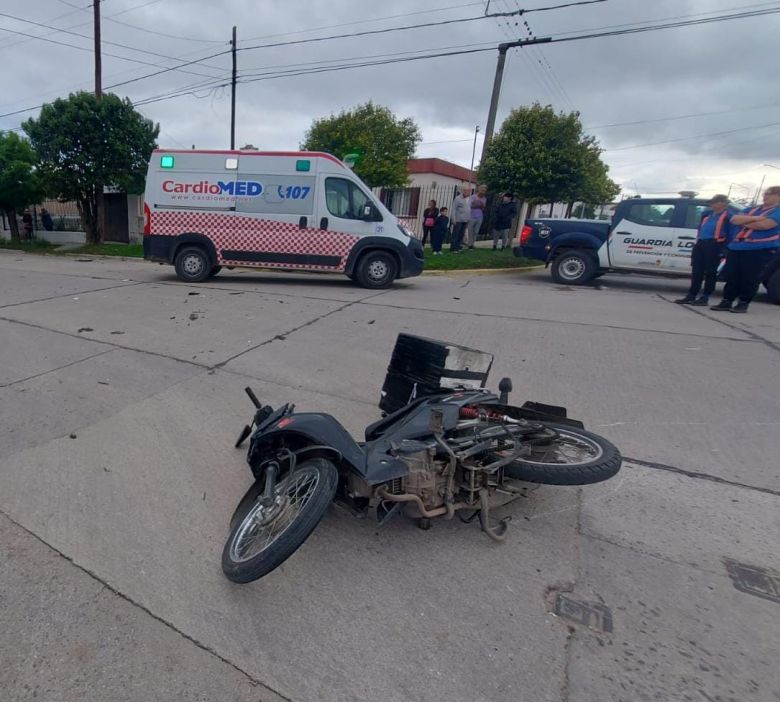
121, 396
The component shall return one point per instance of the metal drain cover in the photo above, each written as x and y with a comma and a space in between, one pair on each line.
594, 616
754, 580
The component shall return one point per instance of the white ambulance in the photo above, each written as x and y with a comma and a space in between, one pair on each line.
301, 211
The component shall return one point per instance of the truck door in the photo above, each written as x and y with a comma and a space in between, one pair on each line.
344, 206
685, 228
643, 237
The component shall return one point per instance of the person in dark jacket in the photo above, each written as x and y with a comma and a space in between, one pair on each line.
439, 231
429, 220
46, 220
27, 223
754, 240
707, 251
502, 225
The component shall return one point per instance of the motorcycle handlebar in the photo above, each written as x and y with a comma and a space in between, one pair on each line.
253, 397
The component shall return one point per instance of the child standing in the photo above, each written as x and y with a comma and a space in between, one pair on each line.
439, 231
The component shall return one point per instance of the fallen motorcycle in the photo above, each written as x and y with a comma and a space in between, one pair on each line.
445, 446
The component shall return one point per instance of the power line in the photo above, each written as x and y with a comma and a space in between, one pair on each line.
695, 136
85, 36
144, 29
694, 114
81, 24
424, 25
366, 21
129, 80
558, 38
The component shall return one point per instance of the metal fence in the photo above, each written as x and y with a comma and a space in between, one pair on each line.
64, 218
408, 204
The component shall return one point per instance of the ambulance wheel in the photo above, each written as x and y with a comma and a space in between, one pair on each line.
376, 269
573, 267
192, 264
214, 271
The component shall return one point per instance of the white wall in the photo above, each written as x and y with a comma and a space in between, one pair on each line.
431, 180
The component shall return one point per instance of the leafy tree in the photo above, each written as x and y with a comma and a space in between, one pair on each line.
383, 143
543, 156
19, 183
85, 144
597, 187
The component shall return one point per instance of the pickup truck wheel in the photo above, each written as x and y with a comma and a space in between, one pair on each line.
574, 267
773, 287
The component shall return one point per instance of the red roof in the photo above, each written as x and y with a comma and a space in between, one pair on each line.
439, 167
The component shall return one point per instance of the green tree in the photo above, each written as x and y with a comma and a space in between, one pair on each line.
596, 187
383, 143
84, 144
543, 156
19, 183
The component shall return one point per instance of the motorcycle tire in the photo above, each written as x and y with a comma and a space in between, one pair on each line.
603, 463
311, 488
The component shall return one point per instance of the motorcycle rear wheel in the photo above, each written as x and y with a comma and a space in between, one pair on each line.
575, 457
262, 538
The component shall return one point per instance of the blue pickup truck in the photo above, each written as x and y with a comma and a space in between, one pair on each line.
646, 235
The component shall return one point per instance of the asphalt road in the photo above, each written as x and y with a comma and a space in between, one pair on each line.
110, 582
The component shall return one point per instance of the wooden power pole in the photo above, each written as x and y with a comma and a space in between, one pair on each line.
99, 199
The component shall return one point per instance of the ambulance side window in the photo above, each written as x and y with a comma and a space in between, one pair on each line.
345, 199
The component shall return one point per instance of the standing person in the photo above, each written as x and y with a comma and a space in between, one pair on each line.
707, 252
477, 205
461, 213
505, 213
439, 231
756, 235
429, 220
27, 223
46, 220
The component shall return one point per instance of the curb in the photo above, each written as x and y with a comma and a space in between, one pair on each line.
484, 271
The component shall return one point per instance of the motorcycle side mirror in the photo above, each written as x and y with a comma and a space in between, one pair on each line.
504, 388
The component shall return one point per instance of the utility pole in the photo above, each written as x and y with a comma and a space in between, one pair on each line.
98, 61
99, 199
233, 94
474, 150
502, 49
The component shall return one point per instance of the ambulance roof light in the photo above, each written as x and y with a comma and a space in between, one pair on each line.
303, 165
166, 161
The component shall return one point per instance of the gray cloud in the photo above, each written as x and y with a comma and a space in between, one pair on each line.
708, 68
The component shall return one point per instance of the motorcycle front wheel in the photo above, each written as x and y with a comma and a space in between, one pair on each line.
573, 457
263, 537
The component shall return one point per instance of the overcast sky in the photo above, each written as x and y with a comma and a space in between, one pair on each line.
724, 67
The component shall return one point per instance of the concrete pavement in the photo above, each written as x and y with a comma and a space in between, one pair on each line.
120, 529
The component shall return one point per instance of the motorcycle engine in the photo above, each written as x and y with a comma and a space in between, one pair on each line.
426, 474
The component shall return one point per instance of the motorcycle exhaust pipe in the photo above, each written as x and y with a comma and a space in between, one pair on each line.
435, 512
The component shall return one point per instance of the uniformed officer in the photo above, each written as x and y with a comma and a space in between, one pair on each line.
755, 238
707, 251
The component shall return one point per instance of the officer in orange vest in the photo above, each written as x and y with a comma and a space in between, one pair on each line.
756, 238
707, 251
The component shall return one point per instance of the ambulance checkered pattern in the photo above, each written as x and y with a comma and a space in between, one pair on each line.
236, 233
